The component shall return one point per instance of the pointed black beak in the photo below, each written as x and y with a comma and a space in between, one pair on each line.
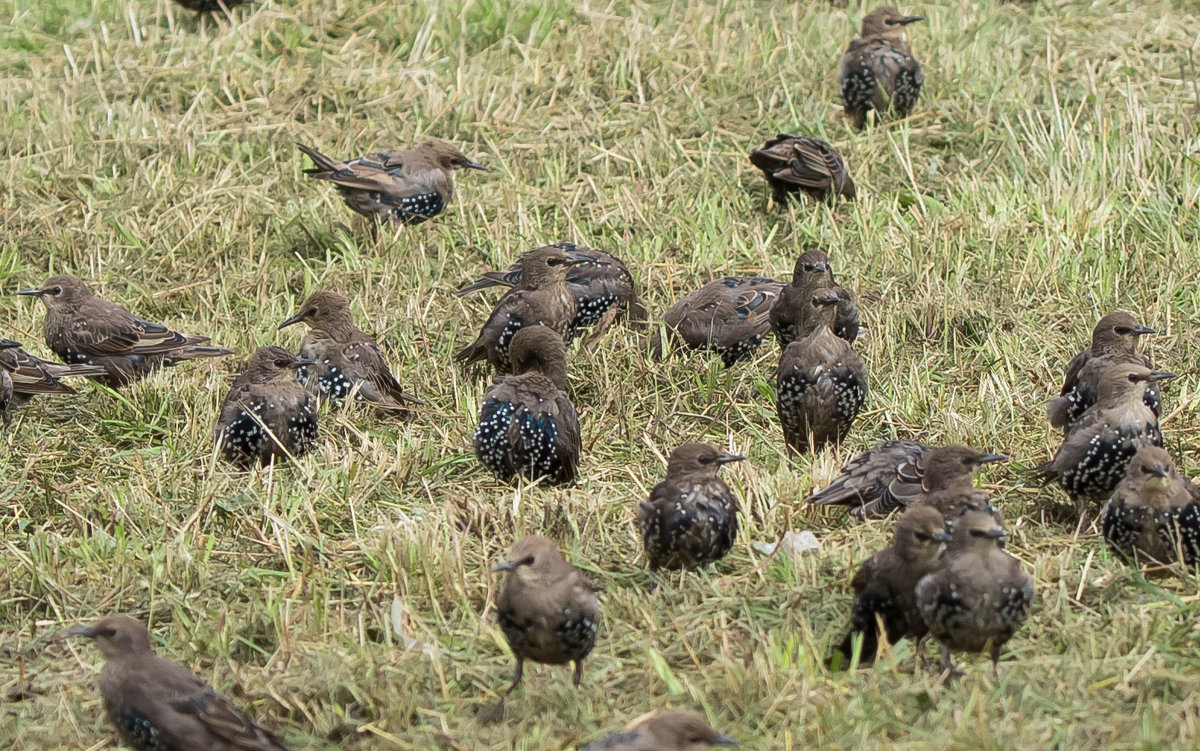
506, 566
87, 631
987, 458
35, 292
302, 361
1161, 375
9, 344
289, 321
996, 533
722, 740
1140, 330
727, 458
830, 300
943, 537
1159, 470
910, 19
475, 165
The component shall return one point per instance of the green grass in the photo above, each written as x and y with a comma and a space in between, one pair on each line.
1050, 173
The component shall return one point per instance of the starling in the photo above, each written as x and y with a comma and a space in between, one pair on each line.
691, 517
812, 273
599, 282
795, 164
527, 424
547, 609
211, 6
1096, 450
84, 329
821, 384
346, 361
541, 297
268, 414
664, 731
1114, 342
6, 384
158, 705
947, 483
403, 186
879, 70
978, 595
32, 375
885, 586
1153, 515
726, 315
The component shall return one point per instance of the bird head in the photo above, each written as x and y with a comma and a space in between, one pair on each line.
60, 292
542, 267
447, 156
975, 530
680, 731
1153, 468
886, 21
1117, 332
269, 364
812, 266
539, 349
921, 534
947, 465
324, 311
116, 635
532, 559
822, 309
698, 459
1122, 382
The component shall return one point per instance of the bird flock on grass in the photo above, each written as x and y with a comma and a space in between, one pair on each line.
947, 575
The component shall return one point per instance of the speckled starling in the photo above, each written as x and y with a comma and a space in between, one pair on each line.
1096, 450
1114, 342
727, 316
947, 483
978, 595
821, 384
6, 384
527, 424
345, 360
32, 375
812, 272
801, 164
158, 705
83, 329
541, 297
879, 480
268, 414
879, 70
691, 517
1153, 514
403, 186
664, 731
885, 585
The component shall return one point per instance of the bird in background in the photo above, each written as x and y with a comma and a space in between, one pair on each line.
664, 731
691, 517
158, 705
403, 186
1114, 342
811, 273
802, 164
728, 316
879, 71
268, 414
1153, 516
83, 329
31, 375
346, 361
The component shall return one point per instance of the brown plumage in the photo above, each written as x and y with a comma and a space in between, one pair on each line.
885, 585
801, 164
1153, 515
84, 329
541, 297
879, 70
691, 517
403, 186
821, 384
1114, 342
158, 705
664, 731
978, 595
878, 480
31, 375
345, 360
211, 6
812, 272
268, 414
728, 316
947, 483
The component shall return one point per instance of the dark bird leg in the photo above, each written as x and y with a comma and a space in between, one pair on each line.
996, 661
577, 676
948, 668
494, 712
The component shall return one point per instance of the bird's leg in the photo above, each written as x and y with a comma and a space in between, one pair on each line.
996, 661
494, 712
577, 677
948, 668
922, 655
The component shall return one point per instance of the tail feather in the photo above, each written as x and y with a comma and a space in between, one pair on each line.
321, 163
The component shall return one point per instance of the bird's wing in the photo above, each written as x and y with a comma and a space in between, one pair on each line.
366, 357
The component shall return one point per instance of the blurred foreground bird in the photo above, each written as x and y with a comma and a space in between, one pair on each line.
1153, 515
1114, 342
879, 70
801, 164
345, 360
268, 414
791, 307
691, 517
403, 186
158, 705
211, 6
31, 375
84, 329
664, 731
727, 316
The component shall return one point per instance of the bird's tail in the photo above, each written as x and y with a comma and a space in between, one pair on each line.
490, 279
472, 353
198, 353
321, 163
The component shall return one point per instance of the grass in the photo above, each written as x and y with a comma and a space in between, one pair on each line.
1050, 174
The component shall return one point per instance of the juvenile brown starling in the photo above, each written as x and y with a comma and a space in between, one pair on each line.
978, 595
403, 186
801, 164
879, 70
947, 482
1114, 342
691, 517
541, 297
812, 272
547, 609
32, 375
885, 586
345, 360
878, 480
728, 316
83, 329
158, 705
599, 281
1096, 450
664, 731
821, 384
268, 414
1153, 515
6, 384
527, 424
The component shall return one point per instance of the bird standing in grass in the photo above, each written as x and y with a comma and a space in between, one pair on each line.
811, 273
691, 517
947, 483
31, 375
84, 329
879, 71
664, 731
403, 186
268, 414
801, 164
879, 480
158, 705
727, 316
1153, 515
1114, 342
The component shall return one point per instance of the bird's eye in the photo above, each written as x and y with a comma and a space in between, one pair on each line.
1123, 330
311, 312
55, 291
555, 262
1133, 378
109, 632
281, 363
527, 561
921, 536
809, 267
706, 458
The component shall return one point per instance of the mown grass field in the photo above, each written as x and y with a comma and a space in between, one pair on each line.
1049, 175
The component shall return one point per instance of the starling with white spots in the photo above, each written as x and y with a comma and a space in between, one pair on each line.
31, 375
728, 316
1153, 515
1114, 342
879, 71
268, 414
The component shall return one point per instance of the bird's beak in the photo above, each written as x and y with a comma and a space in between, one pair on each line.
35, 292
1140, 330
289, 321
727, 458
8, 344
996, 533
1161, 375
1159, 470
87, 631
723, 740
910, 19
302, 361
506, 566
986, 458
943, 537
476, 165
820, 267
831, 300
